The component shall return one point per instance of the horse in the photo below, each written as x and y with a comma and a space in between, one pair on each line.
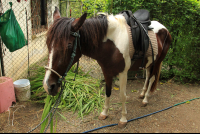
105, 39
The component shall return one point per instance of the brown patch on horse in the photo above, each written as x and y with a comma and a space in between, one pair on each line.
110, 59
163, 43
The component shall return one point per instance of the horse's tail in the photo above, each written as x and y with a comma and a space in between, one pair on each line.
157, 76
157, 67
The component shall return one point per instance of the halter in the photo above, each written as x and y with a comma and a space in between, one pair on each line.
77, 36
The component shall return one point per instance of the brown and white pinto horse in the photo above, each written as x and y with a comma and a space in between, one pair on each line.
105, 39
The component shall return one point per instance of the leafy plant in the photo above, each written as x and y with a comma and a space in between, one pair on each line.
181, 18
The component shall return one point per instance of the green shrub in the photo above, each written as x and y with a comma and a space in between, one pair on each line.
182, 19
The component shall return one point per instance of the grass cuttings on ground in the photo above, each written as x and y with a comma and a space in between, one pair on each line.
83, 95
38, 93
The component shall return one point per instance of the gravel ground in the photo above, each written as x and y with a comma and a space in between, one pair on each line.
184, 118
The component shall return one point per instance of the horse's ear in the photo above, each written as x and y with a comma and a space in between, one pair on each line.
77, 23
56, 14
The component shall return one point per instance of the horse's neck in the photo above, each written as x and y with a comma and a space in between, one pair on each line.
84, 51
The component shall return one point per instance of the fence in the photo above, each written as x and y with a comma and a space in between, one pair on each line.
34, 18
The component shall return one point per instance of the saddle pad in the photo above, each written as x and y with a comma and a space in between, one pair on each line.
153, 39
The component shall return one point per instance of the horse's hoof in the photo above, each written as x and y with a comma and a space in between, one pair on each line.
141, 97
122, 124
102, 117
144, 104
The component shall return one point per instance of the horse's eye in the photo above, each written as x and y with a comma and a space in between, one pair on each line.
70, 45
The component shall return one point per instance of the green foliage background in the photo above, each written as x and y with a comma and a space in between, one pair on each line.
182, 19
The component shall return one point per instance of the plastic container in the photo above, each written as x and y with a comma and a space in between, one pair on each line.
7, 93
22, 89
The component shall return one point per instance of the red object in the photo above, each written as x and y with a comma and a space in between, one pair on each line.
18, 0
7, 93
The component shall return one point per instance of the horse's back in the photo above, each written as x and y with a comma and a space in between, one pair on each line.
157, 26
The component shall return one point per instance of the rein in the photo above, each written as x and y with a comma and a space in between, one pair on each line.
61, 78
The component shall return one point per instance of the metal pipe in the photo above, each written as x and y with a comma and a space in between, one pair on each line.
2, 71
27, 41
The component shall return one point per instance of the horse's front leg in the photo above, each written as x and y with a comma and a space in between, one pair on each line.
122, 83
104, 114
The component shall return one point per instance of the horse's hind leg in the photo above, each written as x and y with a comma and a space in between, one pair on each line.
104, 113
153, 80
145, 101
145, 84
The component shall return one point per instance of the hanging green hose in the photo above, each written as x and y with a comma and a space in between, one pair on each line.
142, 116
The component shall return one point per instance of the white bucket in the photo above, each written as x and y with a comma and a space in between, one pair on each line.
22, 89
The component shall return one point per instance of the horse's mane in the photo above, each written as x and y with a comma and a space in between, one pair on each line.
58, 33
92, 32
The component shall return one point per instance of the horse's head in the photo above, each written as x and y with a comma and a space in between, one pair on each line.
60, 45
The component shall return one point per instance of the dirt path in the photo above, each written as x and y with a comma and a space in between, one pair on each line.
184, 118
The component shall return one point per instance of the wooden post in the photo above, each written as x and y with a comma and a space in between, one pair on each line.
2, 71
67, 10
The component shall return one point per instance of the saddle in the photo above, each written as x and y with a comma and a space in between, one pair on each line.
139, 23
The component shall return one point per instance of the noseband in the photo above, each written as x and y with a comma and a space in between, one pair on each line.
77, 41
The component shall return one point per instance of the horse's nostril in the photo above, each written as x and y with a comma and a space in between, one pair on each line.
53, 86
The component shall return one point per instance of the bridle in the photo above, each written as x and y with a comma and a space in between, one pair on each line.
76, 42
62, 85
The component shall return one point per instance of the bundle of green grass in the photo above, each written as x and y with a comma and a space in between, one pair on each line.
83, 95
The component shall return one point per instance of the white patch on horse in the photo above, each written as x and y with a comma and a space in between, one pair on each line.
117, 32
48, 72
157, 26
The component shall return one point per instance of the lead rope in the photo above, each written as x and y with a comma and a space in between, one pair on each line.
62, 77
59, 98
76, 34
76, 71
53, 108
